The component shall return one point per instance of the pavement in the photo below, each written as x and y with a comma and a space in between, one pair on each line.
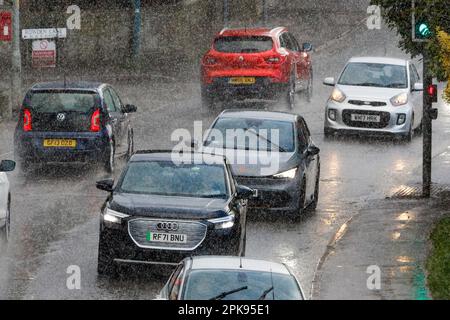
388, 235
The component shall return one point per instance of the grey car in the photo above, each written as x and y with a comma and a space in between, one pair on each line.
272, 153
231, 278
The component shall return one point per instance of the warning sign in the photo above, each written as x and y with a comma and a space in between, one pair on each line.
44, 54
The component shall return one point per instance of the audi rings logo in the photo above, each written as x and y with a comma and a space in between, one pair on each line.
61, 117
167, 226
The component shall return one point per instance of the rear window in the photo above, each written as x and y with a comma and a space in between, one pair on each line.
58, 101
249, 44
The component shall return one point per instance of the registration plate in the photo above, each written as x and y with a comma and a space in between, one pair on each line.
365, 118
60, 143
243, 80
166, 237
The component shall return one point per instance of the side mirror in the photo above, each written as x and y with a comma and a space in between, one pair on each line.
329, 81
307, 47
313, 151
105, 185
7, 166
418, 86
129, 108
244, 192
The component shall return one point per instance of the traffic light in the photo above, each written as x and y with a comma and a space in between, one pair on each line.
432, 92
423, 30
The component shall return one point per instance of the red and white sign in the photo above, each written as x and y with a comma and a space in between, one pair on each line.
44, 54
5, 26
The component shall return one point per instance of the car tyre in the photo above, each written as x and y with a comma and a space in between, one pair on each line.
316, 191
409, 136
290, 94
110, 157
5, 231
130, 149
105, 263
301, 202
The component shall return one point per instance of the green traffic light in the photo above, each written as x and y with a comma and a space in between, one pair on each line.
424, 30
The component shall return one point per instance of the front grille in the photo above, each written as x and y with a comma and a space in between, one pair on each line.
367, 103
194, 231
385, 117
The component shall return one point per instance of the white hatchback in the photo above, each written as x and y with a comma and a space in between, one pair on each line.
5, 199
381, 96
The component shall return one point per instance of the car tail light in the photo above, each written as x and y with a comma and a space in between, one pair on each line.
95, 121
27, 120
209, 61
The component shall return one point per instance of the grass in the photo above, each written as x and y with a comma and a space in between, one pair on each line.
438, 263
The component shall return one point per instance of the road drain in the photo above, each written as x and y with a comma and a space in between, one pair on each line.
415, 192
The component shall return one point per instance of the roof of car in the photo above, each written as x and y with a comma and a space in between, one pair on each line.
257, 114
383, 60
256, 31
168, 155
74, 85
237, 263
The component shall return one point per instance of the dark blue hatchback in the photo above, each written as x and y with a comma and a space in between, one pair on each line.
73, 122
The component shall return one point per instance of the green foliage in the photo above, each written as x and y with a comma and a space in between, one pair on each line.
398, 13
438, 264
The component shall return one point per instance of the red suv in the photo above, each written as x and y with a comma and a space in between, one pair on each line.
256, 63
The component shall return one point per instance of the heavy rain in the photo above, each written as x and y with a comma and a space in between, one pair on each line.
98, 99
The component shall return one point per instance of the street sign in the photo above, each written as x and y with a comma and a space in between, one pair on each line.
34, 34
5, 26
44, 54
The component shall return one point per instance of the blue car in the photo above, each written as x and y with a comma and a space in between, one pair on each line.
81, 122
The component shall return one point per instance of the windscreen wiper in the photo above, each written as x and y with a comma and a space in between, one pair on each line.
227, 293
265, 293
280, 149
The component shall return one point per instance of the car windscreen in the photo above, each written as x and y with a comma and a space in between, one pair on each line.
247, 44
209, 284
167, 178
374, 75
62, 101
252, 134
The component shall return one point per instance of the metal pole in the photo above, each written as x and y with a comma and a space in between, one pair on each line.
137, 28
427, 127
16, 62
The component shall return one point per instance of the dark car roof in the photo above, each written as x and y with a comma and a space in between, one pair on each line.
256, 114
259, 31
77, 85
164, 155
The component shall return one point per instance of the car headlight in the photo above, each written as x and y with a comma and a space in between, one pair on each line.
338, 96
399, 100
290, 174
113, 216
223, 222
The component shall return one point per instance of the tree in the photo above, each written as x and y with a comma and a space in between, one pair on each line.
444, 40
397, 14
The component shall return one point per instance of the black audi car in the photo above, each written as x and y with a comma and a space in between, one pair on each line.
163, 209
